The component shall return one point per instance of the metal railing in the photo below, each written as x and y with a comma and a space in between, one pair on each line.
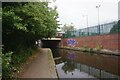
107, 28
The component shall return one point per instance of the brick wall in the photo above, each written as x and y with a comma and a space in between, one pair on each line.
108, 41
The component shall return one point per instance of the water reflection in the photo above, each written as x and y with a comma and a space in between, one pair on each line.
69, 69
71, 55
74, 64
69, 66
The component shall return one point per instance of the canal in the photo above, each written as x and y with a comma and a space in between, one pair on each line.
76, 64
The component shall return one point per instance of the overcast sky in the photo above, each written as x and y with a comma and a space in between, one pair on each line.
72, 11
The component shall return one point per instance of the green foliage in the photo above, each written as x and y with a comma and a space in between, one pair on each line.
23, 23
85, 48
21, 56
116, 28
73, 35
12, 62
67, 28
6, 67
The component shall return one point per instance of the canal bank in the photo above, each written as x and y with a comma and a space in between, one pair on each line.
70, 64
42, 66
76, 64
93, 50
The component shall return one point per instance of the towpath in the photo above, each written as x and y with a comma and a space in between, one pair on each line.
43, 66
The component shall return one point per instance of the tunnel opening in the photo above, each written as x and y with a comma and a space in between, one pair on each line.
54, 45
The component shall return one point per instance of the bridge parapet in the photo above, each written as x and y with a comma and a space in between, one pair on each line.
52, 39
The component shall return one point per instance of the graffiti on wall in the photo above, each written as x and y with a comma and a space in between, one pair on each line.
72, 42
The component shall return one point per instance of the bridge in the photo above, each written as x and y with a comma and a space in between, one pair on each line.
51, 42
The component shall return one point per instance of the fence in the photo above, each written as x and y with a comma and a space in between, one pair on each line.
93, 31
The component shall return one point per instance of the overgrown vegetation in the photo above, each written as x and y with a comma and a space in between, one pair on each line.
116, 28
69, 29
98, 47
6, 60
12, 61
87, 49
24, 23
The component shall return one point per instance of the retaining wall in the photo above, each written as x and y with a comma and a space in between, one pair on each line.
108, 41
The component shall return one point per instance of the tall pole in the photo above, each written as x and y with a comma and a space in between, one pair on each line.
87, 23
98, 19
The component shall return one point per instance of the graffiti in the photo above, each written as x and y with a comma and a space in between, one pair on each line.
71, 55
71, 42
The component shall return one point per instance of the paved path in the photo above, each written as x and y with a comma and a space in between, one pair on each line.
43, 66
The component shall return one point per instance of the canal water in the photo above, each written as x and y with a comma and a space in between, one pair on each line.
76, 64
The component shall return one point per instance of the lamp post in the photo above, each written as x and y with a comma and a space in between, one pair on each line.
98, 19
87, 23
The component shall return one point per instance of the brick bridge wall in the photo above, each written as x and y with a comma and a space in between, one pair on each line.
108, 41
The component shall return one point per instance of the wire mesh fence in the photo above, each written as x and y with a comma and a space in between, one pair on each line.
107, 28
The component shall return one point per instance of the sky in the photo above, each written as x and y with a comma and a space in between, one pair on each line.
72, 11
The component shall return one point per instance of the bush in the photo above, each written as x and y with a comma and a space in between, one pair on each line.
6, 67
12, 61
85, 48
21, 56
98, 47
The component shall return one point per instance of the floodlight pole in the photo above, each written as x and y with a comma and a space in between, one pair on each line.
98, 19
87, 23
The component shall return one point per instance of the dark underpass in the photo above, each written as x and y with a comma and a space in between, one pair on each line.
51, 43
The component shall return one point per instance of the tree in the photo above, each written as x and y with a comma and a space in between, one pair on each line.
116, 28
68, 29
25, 22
